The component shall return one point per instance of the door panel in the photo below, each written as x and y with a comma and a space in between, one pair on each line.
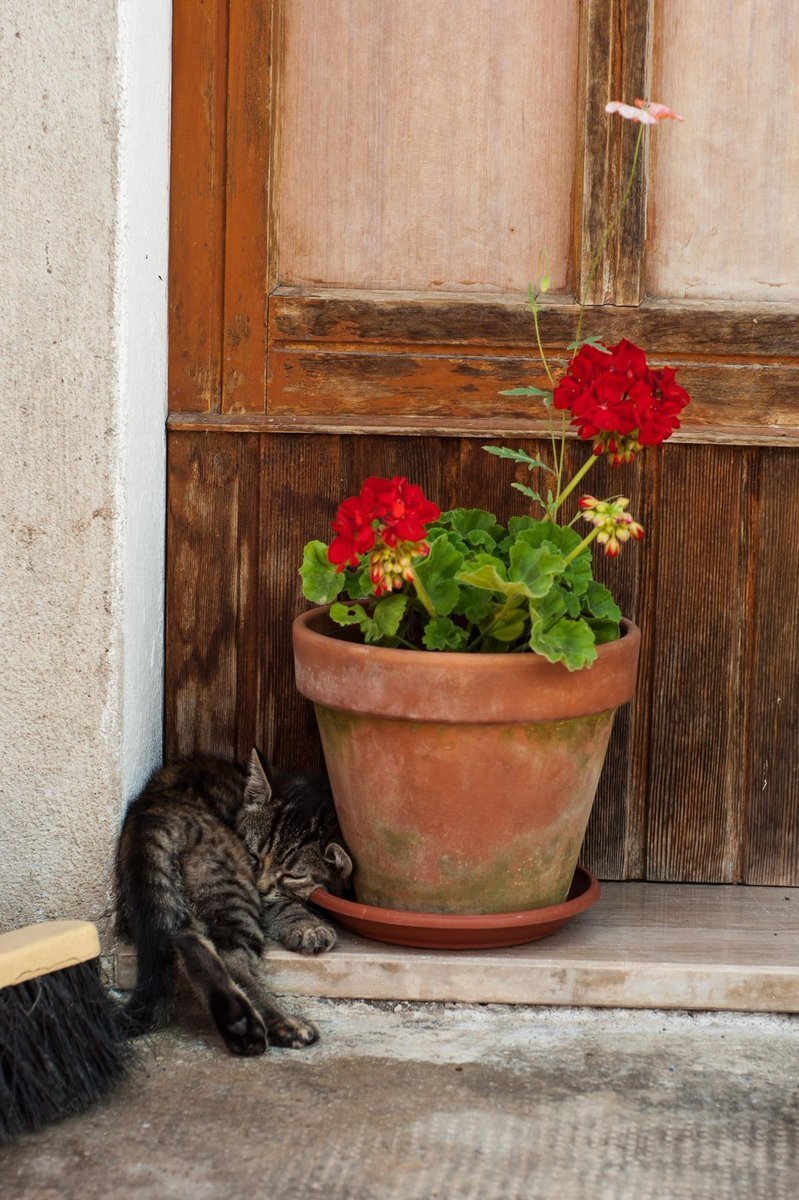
359, 193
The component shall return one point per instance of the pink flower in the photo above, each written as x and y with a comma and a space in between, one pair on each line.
658, 111
647, 112
629, 113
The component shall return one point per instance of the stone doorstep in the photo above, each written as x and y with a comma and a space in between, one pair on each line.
644, 945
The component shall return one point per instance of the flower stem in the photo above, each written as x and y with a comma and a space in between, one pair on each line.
584, 544
611, 227
578, 477
504, 612
421, 592
534, 307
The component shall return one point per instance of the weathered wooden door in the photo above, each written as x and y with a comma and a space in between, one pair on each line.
360, 193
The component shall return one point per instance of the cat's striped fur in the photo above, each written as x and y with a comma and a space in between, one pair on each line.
212, 858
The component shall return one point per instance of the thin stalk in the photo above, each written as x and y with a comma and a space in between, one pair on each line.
579, 475
505, 611
534, 307
611, 227
421, 592
584, 544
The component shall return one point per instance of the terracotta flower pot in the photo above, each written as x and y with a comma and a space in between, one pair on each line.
463, 782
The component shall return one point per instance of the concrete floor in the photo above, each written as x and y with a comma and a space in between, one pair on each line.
415, 1101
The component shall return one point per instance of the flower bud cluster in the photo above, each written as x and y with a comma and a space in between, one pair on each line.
614, 523
391, 566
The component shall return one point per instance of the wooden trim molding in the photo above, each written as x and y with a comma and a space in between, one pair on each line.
499, 321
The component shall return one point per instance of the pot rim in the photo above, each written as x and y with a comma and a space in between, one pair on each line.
454, 687
489, 661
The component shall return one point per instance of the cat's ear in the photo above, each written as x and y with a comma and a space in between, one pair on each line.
258, 791
340, 859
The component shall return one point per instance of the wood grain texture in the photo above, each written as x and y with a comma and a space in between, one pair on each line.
599, 72
344, 316
350, 354
248, 171
202, 593
637, 49
615, 845
772, 844
724, 188
302, 480
696, 795
426, 143
197, 203
615, 63
682, 795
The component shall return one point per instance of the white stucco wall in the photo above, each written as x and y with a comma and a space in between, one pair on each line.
84, 183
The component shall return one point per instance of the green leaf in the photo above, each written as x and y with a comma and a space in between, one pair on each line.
527, 391
384, 623
464, 520
589, 341
443, 634
567, 641
389, 612
535, 533
358, 583
349, 614
520, 456
487, 577
536, 567
321, 581
550, 608
476, 606
512, 626
600, 603
603, 630
437, 573
526, 491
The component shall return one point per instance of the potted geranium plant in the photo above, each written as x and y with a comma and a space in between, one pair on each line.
466, 673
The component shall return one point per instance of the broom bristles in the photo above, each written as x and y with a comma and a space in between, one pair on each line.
61, 1047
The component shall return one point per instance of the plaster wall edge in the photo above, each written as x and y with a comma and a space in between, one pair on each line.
141, 318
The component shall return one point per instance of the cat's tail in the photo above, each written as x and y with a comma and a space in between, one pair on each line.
153, 908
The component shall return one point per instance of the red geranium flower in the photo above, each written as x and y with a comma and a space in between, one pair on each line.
391, 512
354, 524
618, 401
402, 509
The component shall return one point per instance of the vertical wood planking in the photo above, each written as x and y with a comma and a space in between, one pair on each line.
695, 806
636, 81
615, 63
202, 593
247, 224
616, 837
772, 848
301, 488
197, 204
249, 615
599, 68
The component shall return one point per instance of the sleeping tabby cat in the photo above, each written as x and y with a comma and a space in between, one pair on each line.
212, 858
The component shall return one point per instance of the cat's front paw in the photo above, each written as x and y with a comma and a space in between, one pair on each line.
309, 938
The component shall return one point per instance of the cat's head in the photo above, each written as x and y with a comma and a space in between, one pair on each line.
289, 825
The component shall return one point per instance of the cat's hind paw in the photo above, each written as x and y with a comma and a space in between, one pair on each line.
241, 1027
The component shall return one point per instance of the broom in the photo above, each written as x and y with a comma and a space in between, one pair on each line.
61, 1040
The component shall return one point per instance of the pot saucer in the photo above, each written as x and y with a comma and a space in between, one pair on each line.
446, 931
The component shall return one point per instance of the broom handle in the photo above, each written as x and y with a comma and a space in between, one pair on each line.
41, 949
